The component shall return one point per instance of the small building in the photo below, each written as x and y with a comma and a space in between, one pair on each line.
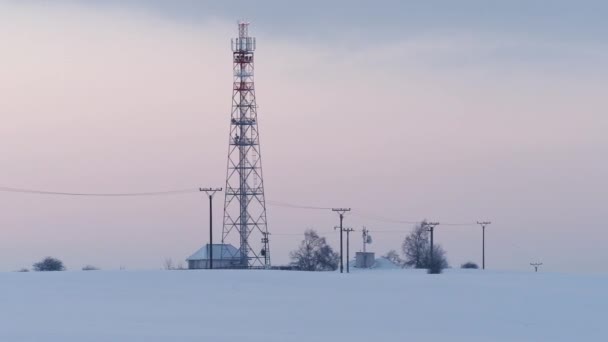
224, 256
364, 259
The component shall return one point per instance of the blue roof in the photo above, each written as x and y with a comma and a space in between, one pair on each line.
220, 251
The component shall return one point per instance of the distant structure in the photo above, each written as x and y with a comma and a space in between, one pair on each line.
365, 259
536, 265
245, 222
201, 258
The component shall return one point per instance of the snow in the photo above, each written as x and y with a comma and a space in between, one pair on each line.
366, 305
379, 263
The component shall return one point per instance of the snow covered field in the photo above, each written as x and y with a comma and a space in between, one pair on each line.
370, 305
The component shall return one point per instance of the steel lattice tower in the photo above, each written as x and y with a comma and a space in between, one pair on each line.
245, 223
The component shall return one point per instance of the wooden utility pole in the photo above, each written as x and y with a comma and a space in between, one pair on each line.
431, 228
483, 225
341, 212
348, 230
210, 193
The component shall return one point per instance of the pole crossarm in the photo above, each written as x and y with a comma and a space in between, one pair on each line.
210, 191
341, 211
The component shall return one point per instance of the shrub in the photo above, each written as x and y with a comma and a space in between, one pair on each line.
438, 262
49, 264
394, 257
90, 268
469, 265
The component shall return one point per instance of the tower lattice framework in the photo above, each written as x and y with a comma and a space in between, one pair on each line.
245, 223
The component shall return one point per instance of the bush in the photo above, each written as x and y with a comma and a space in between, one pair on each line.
438, 262
394, 257
434, 267
49, 264
90, 268
469, 265
23, 270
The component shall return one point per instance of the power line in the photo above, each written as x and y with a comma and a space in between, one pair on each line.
384, 219
393, 220
94, 194
295, 206
194, 190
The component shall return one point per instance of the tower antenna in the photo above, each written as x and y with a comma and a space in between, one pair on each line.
245, 205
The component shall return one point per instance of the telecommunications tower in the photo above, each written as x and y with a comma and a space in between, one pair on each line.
245, 222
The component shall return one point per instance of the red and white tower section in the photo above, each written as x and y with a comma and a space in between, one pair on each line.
245, 224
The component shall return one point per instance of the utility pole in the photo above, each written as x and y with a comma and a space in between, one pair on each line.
431, 228
348, 230
536, 265
483, 225
210, 193
341, 212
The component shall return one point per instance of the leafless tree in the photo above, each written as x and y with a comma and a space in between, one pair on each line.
415, 247
168, 264
394, 257
314, 254
417, 251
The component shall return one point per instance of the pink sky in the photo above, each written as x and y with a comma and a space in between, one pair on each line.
115, 100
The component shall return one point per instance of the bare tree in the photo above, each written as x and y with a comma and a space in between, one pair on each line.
394, 257
168, 264
314, 254
416, 246
417, 251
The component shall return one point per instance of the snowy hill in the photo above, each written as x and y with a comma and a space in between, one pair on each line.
380, 305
